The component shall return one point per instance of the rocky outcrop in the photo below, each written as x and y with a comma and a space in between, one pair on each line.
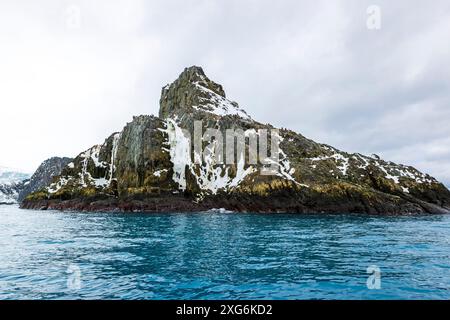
43, 176
153, 165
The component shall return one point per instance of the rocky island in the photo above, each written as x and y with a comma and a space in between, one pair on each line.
149, 167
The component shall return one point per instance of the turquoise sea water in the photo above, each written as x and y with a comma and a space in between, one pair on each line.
54, 255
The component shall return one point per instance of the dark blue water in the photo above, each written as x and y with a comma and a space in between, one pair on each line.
53, 255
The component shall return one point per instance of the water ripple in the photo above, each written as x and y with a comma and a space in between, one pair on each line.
220, 256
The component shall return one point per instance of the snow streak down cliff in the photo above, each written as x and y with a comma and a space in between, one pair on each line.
150, 166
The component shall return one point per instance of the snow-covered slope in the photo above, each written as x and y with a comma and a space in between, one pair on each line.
9, 175
12, 182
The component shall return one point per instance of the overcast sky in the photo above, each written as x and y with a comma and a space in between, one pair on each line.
73, 72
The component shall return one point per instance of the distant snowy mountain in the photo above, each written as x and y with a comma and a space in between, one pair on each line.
12, 181
9, 175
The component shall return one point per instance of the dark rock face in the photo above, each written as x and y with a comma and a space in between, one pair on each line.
149, 167
44, 176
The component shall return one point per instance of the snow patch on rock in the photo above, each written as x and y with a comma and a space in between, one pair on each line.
342, 162
218, 105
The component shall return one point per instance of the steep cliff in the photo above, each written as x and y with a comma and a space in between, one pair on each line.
154, 164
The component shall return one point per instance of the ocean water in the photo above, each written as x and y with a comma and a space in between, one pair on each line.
55, 255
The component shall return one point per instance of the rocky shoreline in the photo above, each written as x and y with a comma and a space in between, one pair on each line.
314, 204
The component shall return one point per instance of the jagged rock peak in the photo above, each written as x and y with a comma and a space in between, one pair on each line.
195, 75
194, 92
